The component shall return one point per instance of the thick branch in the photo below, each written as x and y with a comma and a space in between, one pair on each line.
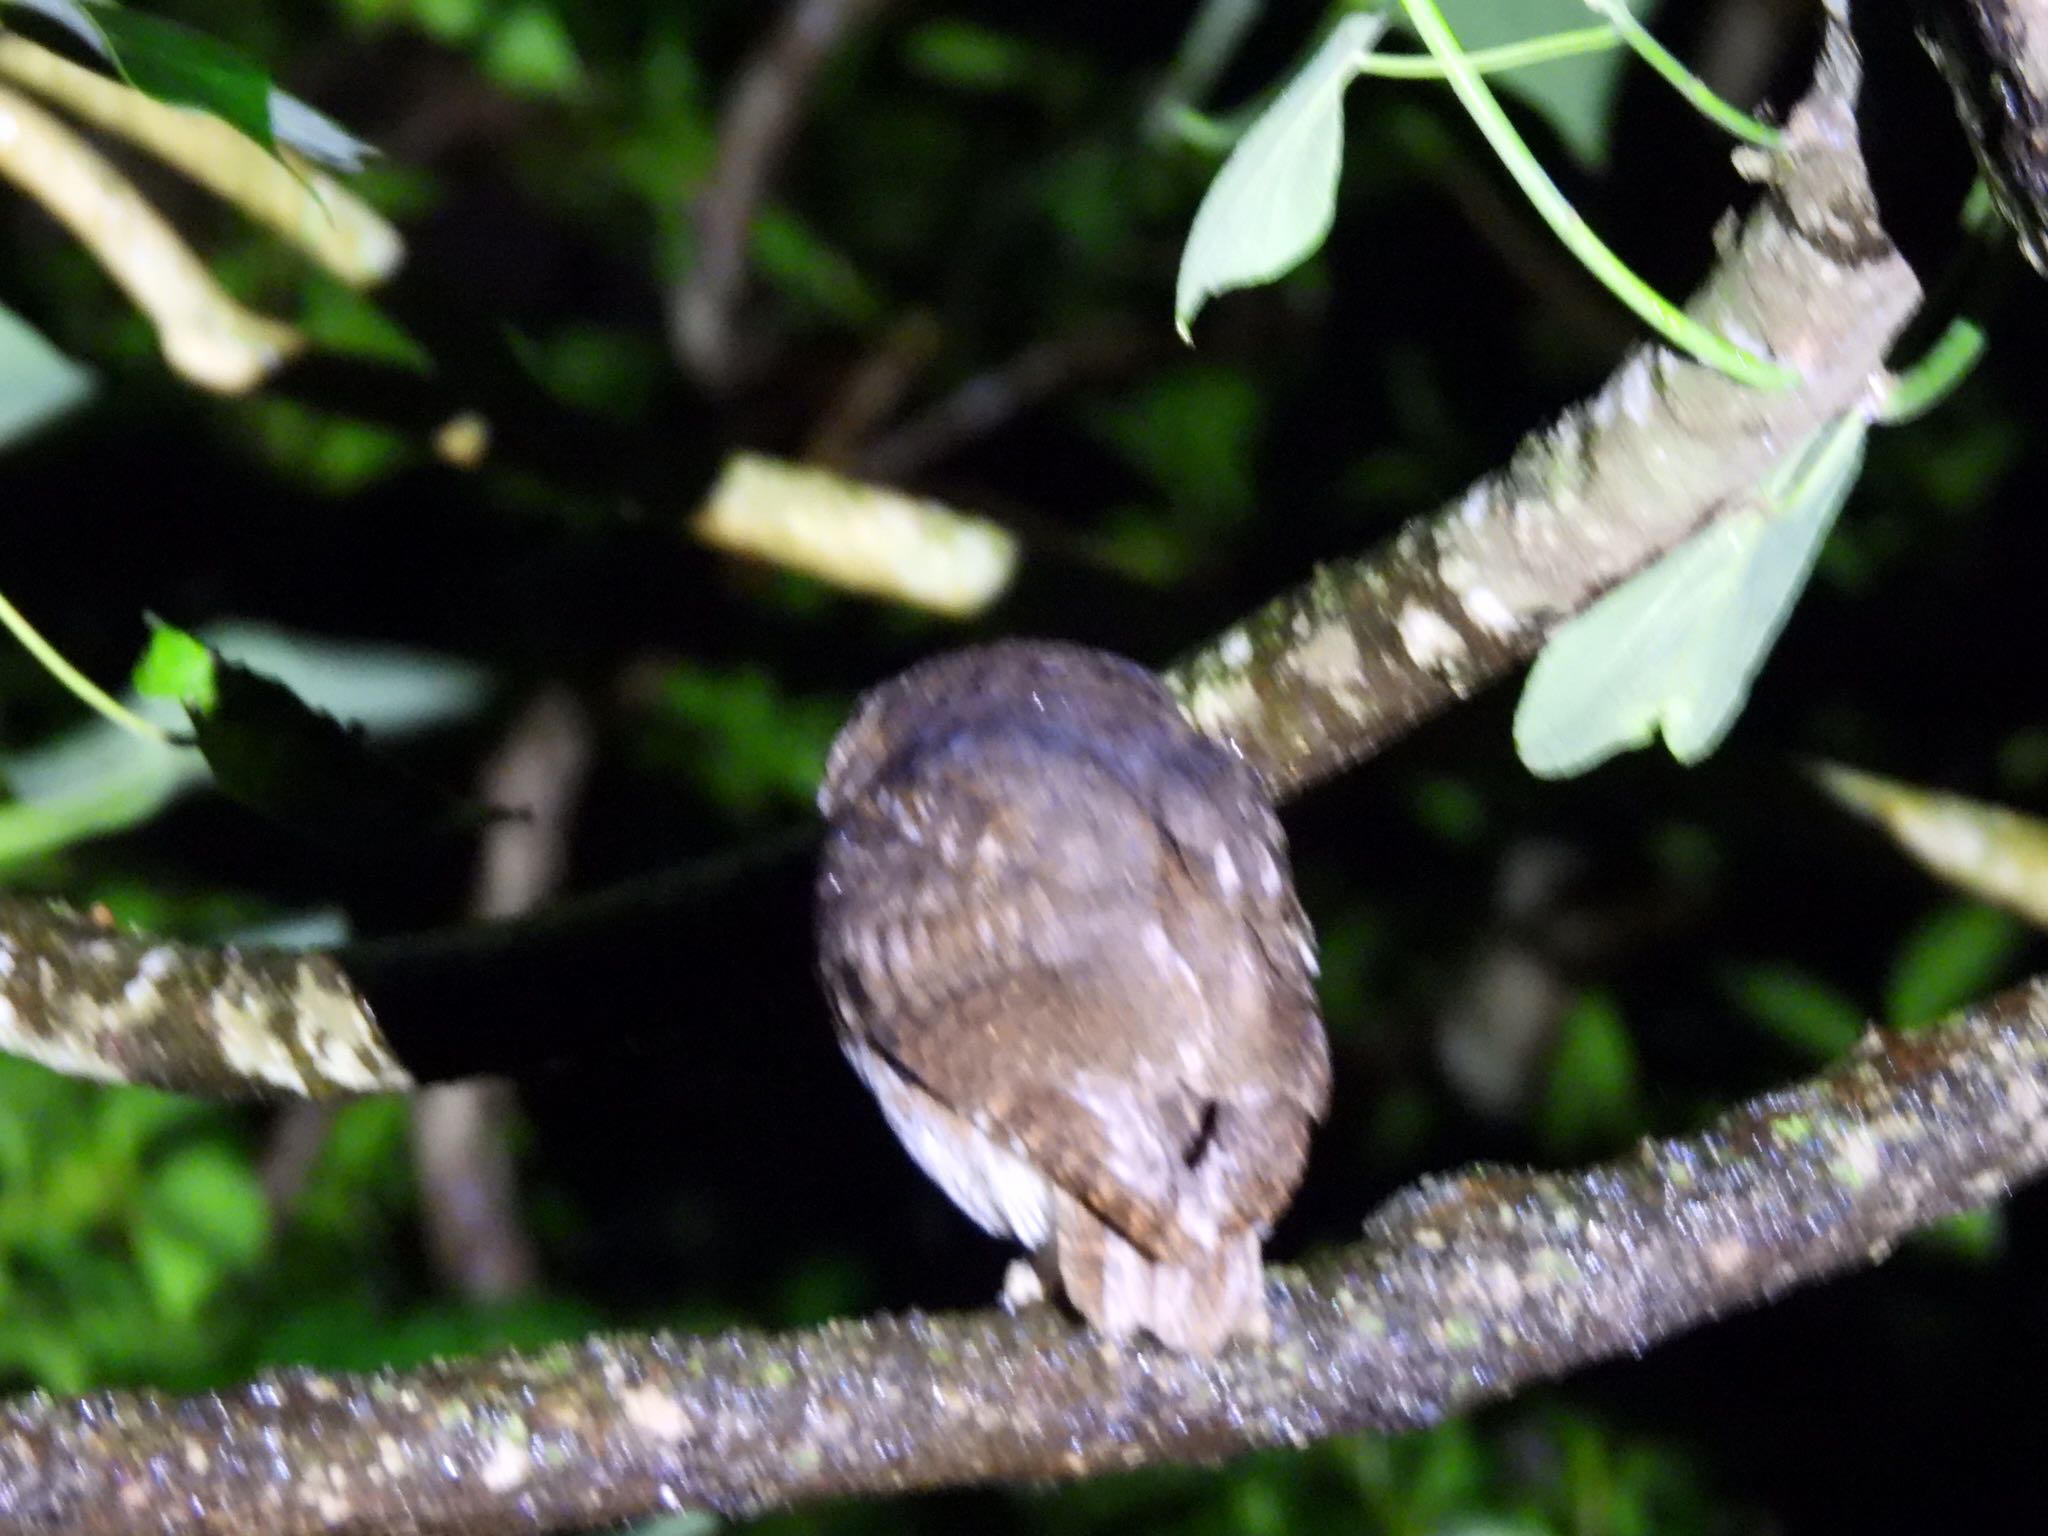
1462, 1290
80, 996
1368, 648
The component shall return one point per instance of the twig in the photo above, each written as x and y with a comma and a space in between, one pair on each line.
1462, 1290
990, 401
759, 119
462, 1132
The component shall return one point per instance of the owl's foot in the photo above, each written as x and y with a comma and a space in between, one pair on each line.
1023, 1288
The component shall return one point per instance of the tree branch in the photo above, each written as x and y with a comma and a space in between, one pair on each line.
84, 998
1462, 1290
1368, 648
760, 117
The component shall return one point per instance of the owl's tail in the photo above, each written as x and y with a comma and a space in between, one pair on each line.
1195, 1303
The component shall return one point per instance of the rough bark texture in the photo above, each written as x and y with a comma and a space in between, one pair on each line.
1367, 648
1461, 1290
82, 997
1994, 54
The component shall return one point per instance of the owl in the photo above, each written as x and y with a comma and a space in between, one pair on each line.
1060, 938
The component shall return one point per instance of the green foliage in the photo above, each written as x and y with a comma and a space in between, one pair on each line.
1801, 1010
127, 1217
1963, 951
339, 319
303, 768
1192, 431
97, 778
178, 667
741, 741
1592, 1099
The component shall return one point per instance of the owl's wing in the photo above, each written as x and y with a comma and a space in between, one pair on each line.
1130, 1011
1034, 1059
1015, 1059
1227, 857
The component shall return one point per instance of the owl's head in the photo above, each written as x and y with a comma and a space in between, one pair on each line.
984, 687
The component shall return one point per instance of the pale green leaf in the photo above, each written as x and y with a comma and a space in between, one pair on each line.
1270, 206
1574, 95
1675, 649
37, 382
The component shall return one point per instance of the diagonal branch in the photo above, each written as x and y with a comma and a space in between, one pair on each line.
1461, 1290
1368, 648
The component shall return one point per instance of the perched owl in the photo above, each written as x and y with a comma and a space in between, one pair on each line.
1061, 940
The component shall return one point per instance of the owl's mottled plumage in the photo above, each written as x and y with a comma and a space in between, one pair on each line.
1063, 948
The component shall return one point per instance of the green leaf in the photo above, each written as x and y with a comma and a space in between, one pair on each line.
37, 382
212, 1196
1675, 648
1194, 432
343, 320
1973, 1237
1574, 95
308, 771
1801, 1010
175, 64
1270, 206
1962, 952
967, 56
530, 52
1591, 1100
177, 1268
176, 666
98, 778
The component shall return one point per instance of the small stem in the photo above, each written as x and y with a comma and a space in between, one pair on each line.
1670, 322
1682, 80
1931, 380
82, 687
1494, 61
